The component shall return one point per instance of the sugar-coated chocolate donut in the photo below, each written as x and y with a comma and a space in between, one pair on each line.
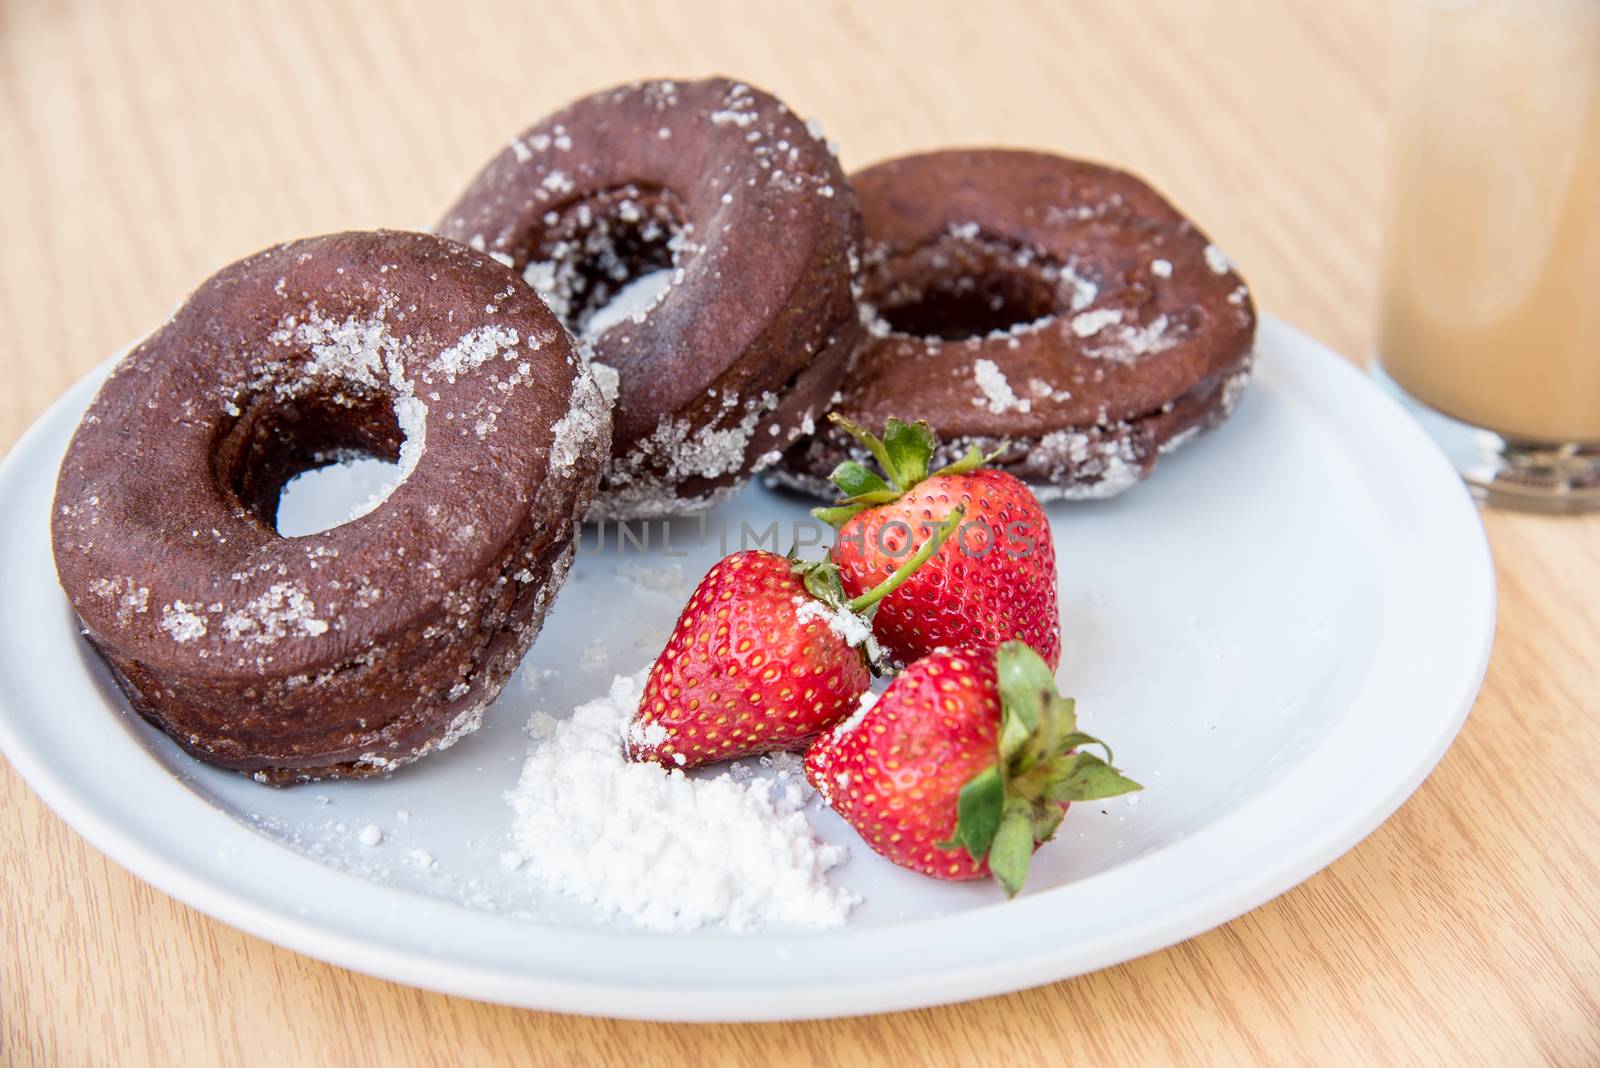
1059, 306
372, 643
745, 209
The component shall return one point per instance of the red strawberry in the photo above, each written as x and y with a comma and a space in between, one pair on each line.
964, 766
995, 581
759, 660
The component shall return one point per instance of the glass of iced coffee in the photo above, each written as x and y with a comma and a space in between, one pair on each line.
1490, 306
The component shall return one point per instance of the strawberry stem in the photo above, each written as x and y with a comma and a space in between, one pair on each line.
916, 560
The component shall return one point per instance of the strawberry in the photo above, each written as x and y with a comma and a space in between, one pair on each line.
767, 654
995, 581
964, 765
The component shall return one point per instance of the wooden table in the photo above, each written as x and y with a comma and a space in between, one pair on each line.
143, 146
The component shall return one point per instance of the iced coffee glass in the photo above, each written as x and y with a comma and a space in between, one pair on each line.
1490, 293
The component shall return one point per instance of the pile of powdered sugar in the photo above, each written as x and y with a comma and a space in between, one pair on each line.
663, 849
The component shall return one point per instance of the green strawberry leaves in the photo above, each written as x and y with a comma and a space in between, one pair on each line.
1013, 845
973, 460
979, 809
1087, 778
1044, 826
857, 481
1026, 685
909, 449
1008, 809
903, 453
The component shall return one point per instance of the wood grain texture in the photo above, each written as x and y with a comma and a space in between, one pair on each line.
142, 146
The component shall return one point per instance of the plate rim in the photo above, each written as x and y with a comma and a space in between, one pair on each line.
323, 940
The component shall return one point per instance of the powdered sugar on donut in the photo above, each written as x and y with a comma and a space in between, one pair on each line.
1132, 341
1087, 464
1090, 323
129, 598
643, 482
363, 352
182, 622
998, 395
585, 428
475, 348
271, 616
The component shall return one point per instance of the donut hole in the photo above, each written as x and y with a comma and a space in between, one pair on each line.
960, 287
314, 462
965, 306
321, 498
608, 259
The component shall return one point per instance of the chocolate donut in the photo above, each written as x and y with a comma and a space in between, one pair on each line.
1058, 307
368, 645
743, 209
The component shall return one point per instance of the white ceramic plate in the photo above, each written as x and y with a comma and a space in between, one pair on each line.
1281, 633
